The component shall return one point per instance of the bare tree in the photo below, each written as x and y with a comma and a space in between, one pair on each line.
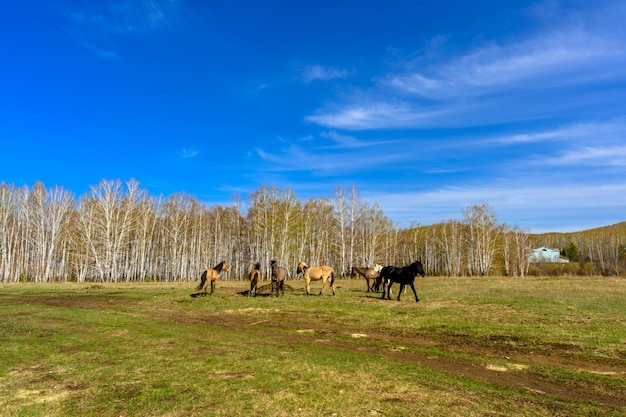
372, 228
106, 218
9, 233
451, 242
341, 222
481, 239
516, 251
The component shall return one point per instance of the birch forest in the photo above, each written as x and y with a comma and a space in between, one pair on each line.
117, 232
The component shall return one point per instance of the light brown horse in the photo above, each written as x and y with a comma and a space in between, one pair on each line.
315, 273
211, 275
370, 274
278, 277
254, 276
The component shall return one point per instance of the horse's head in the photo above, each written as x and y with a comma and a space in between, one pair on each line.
257, 265
378, 268
223, 266
419, 269
301, 267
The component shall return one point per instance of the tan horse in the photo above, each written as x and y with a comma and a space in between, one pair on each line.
211, 275
370, 274
254, 276
315, 273
278, 277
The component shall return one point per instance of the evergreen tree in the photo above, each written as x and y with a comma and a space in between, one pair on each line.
571, 252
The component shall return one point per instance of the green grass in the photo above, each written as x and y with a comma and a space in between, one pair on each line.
488, 346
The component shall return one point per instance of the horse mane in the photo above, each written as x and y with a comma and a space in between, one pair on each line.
218, 267
257, 265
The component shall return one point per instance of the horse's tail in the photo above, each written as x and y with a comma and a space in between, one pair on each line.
255, 275
202, 281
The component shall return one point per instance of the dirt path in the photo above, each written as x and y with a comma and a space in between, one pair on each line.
514, 373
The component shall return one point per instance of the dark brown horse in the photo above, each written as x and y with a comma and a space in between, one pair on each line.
403, 276
278, 277
370, 274
211, 275
254, 276
315, 273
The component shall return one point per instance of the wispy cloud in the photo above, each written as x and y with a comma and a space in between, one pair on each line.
320, 73
377, 114
97, 26
611, 156
189, 153
512, 204
551, 59
333, 154
609, 131
493, 83
343, 142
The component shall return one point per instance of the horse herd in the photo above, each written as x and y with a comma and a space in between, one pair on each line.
379, 275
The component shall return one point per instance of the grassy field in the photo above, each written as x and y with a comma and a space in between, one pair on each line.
471, 347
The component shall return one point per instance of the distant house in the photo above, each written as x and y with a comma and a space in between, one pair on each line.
544, 254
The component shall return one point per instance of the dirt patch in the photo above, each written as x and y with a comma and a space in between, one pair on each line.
494, 363
96, 300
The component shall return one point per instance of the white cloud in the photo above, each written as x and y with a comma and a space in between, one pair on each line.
320, 73
347, 154
610, 131
377, 115
98, 26
513, 204
614, 156
543, 75
189, 153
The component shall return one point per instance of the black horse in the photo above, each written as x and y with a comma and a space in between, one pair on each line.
403, 276
278, 278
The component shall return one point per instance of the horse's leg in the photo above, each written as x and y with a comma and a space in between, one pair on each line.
307, 285
400, 291
212, 286
323, 285
389, 290
417, 300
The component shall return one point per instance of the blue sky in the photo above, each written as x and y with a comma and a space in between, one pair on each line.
426, 107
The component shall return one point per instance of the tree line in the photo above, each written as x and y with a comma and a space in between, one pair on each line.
117, 232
